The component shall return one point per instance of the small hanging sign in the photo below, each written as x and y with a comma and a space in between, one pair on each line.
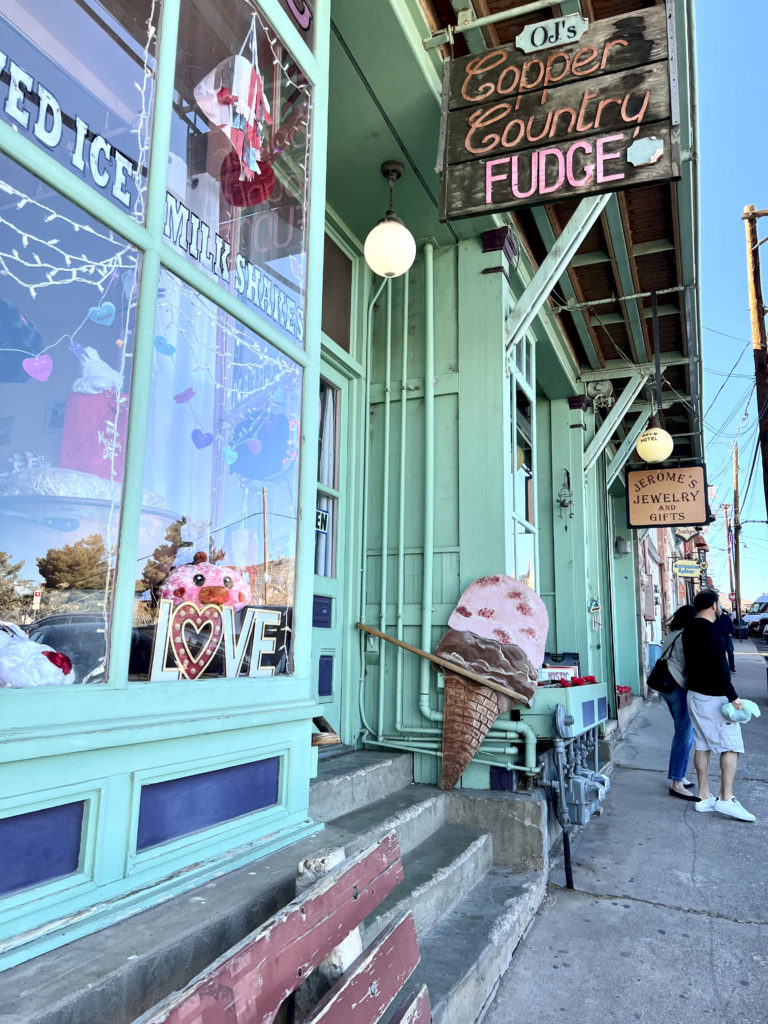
321, 521
546, 34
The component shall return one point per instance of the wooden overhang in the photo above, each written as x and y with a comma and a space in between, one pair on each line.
645, 240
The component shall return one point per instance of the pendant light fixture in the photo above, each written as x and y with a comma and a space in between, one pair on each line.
390, 248
654, 444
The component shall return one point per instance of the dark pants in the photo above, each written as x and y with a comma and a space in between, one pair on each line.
682, 741
729, 652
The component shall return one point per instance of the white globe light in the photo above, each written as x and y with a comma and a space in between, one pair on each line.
390, 248
654, 445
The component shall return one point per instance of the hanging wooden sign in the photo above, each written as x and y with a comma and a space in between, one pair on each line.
667, 496
591, 116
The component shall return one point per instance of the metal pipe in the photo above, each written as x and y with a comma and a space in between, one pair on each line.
490, 19
364, 525
428, 561
385, 510
400, 656
570, 306
404, 745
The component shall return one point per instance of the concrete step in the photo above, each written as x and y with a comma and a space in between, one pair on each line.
414, 812
438, 873
468, 950
354, 780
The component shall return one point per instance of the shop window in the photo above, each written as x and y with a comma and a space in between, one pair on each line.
525, 561
66, 345
239, 169
523, 458
327, 479
77, 78
217, 537
337, 294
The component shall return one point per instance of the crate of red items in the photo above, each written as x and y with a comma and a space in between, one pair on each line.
624, 696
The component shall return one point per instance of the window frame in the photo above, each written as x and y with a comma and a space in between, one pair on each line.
156, 254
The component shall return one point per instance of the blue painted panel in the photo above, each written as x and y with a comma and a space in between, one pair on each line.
588, 713
504, 779
40, 846
325, 676
322, 608
602, 708
179, 807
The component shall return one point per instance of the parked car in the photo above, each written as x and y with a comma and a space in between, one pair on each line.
12, 629
756, 615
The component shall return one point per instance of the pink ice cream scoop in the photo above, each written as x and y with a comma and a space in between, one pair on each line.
502, 608
202, 583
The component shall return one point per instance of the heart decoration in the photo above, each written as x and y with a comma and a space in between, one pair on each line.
184, 396
230, 455
163, 346
246, 193
201, 440
103, 314
38, 367
195, 637
254, 445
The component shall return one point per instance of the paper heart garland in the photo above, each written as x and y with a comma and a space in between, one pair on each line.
188, 623
230, 455
38, 367
201, 440
184, 396
164, 346
103, 314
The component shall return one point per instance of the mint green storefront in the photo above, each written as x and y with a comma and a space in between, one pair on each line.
160, 386
207, 381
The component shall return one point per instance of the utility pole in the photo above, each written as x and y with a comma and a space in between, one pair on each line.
736, 531
729, 550
759, 346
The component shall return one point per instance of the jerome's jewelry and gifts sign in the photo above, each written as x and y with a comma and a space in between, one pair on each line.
667, 497
521, 128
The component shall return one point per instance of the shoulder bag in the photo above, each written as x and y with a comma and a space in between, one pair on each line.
661, 679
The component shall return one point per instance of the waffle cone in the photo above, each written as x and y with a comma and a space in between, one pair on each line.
469, 711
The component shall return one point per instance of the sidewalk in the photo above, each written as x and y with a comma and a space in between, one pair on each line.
668, 916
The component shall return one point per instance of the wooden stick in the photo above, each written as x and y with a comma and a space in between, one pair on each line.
446, 663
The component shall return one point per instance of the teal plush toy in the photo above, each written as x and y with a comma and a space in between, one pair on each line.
748, 710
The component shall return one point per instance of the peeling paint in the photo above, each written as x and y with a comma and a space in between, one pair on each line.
645, 151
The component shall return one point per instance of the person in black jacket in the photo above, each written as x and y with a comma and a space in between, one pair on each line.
709, 687
725, 629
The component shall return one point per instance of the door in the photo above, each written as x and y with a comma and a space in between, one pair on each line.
330, 512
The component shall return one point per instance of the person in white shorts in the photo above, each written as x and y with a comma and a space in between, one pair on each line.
709, 687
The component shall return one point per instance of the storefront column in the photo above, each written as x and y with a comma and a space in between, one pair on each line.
485, 537
627, 656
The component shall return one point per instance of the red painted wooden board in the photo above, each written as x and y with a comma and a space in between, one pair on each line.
416, 1010
368, 986
249, 982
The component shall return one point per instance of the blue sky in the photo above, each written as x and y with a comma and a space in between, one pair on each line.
733, 170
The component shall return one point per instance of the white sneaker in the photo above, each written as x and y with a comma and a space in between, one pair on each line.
705, 804
733, 809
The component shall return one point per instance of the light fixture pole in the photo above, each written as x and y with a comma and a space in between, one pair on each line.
390, 248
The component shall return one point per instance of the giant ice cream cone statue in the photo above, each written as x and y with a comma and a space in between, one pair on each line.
498, 630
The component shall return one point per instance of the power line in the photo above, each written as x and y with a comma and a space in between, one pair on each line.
733, 368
